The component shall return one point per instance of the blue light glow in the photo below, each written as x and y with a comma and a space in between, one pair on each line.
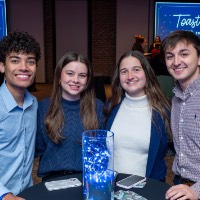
96, 158
98, 174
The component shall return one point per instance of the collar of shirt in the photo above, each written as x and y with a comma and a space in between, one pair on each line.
189, 91
9, 100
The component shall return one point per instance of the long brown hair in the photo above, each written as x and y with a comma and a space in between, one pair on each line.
54, 120
155, 96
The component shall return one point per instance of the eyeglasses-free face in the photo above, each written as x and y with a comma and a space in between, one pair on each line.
20, 70
74, 77
132, 76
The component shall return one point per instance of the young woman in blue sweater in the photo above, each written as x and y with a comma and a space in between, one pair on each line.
72, 109
138, 114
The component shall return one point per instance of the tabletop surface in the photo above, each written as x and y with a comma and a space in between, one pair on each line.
151, 191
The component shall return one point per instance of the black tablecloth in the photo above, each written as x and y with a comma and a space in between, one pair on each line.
153, 190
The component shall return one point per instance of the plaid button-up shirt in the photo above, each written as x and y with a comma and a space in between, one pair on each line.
185, 124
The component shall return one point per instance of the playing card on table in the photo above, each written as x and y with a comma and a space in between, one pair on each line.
128, 195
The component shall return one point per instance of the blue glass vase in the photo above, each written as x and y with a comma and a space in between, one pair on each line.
98, 172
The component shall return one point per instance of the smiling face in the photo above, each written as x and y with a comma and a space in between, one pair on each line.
183, 63
73, 80
132, 76
20, 70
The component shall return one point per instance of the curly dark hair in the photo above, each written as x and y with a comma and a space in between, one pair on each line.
19, 41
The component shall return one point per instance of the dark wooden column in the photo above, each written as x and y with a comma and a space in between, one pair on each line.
102, 35
49, 39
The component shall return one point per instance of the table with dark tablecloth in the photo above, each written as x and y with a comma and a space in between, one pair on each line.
153, 190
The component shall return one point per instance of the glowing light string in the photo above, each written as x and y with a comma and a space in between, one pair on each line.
96, 158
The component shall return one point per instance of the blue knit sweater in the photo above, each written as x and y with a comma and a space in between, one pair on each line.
67, 155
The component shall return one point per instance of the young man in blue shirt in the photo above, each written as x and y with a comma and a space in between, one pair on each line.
19, 54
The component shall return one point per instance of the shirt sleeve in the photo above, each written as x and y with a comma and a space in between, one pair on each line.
196, 188
3, 189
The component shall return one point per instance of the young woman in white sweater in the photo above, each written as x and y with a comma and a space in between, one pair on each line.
138, 114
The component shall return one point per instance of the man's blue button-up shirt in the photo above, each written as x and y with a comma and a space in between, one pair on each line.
17, 141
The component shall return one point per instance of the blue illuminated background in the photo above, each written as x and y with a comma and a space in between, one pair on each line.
176, 16
3, 22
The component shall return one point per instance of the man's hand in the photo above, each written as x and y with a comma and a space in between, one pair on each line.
10, 196
181, 192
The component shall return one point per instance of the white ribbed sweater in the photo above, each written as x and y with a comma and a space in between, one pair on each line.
132, 127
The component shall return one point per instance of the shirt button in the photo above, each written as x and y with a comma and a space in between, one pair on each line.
182, 154
181, 120
183, 103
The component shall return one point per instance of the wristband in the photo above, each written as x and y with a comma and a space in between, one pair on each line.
2, 196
